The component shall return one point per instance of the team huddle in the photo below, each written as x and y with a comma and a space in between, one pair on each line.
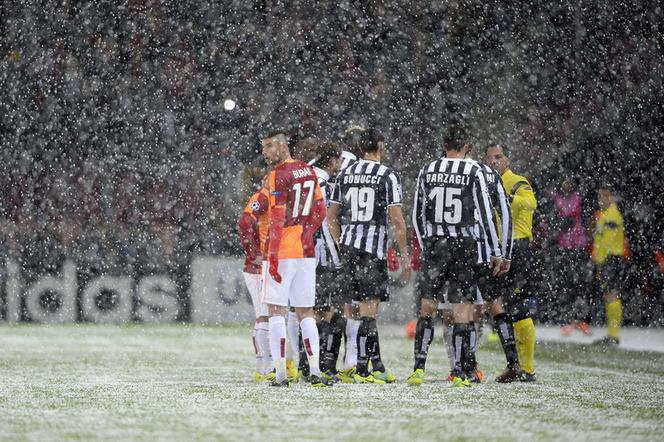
317, 237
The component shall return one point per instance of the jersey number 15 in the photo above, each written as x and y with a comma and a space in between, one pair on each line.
448, 204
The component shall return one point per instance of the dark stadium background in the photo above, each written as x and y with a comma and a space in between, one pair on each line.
116, 150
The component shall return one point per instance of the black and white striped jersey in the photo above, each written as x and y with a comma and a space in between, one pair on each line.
452, 200
501, 205
347, 159
365, 190
327, 253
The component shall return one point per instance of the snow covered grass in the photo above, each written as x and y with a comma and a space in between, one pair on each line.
182, 382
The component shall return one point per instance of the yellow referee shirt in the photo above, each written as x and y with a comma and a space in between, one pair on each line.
523, 204
609, 236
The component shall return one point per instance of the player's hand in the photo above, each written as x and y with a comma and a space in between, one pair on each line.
406, 271
495, 265
274, 267
505, 265
258, 260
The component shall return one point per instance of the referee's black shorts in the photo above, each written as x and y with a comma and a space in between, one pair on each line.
612, 274
366, 276
520, 280
452, 260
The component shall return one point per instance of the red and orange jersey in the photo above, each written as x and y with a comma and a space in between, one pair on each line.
294, 189
253, 228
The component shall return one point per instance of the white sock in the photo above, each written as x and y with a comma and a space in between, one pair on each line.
257, 352
352, 326
263, 344
449, 346
293, 349
278, 345
311, 344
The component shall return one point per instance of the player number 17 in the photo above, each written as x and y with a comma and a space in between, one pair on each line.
297, 187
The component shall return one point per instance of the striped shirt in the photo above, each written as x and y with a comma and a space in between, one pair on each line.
327, 254
365, 190
452, 200
501, 204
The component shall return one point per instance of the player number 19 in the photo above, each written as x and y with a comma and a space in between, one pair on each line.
361, 203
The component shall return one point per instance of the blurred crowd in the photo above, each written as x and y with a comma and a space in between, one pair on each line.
115, 146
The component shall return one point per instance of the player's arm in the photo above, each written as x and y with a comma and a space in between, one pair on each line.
399, 224
248, 230
523, 196
394, 201
485, 210
334, 210
418, 211
506, 227
276, 224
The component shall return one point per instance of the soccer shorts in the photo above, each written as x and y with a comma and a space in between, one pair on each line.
330, 291
366, 276
452, 260
298, 283
612, 274
254, 285
490, 287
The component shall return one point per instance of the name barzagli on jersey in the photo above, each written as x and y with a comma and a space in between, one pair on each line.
447, 178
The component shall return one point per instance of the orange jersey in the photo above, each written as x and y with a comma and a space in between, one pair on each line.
253, 228
294, 188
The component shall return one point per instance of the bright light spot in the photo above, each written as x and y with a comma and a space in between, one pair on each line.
229, 104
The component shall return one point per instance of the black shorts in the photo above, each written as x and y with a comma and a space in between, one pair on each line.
364, 276
518, 281
491, 287
330, 291
612, 274
452, 260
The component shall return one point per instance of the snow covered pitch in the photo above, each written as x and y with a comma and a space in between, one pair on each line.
177, 382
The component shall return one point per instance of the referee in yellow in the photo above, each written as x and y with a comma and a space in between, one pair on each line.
523, 205
609, 256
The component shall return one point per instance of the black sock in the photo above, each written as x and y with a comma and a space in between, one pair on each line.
423, 338
338, 330
473, 347
503, 325
325, 335
461, 340
374, 348
303, 363
363, 346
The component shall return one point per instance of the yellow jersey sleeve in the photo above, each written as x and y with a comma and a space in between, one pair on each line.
523, 204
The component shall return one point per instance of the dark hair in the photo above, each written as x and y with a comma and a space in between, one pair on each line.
352, 138
292, 136
506, 150
369, 140
455, 137
325, 152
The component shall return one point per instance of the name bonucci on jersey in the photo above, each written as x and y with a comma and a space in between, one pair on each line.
452, 200
365, 190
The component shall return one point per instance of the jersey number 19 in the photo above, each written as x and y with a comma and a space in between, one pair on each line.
361, 201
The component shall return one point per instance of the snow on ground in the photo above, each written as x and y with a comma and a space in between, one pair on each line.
194, 383
631, 338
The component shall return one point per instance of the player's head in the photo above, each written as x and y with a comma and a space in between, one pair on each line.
497, 156
275, 147
606, 196
305, 149
328, 157
456, 141
352, 139
372, 142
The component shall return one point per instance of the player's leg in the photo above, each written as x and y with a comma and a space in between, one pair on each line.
461, 338
445, 310
423, 338
276, 298
611, 275
352, 315
302, 296
293, 348
260, 334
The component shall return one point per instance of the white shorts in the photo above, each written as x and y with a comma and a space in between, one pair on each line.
254, 285
298, 283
